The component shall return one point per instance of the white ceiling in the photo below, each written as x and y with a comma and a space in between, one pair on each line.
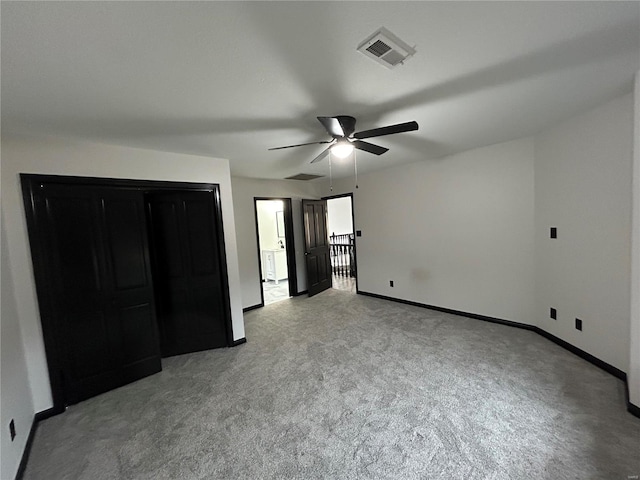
231, 79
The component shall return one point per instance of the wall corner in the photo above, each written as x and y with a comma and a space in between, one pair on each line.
634, 334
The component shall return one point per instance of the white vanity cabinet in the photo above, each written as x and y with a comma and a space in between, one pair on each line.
274, 264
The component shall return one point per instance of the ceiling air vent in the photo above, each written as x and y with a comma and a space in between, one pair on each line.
304, 176
386, 49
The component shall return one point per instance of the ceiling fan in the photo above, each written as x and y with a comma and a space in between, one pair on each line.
342, 128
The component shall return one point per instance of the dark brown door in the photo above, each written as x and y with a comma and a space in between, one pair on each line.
317, 254
95, 253
187, 271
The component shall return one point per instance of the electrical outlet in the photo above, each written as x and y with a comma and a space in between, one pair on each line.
358, 233
391, 283
553, 313
578, 324
12, 429
553, 233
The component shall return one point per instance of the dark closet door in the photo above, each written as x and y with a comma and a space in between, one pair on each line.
317, 254
187, 271
130, 287
96, 257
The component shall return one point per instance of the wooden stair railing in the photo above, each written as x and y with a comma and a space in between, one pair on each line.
342, 254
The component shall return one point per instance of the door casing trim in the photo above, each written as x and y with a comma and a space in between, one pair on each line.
287, 206
353, 225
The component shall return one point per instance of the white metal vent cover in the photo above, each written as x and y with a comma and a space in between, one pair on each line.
386, 49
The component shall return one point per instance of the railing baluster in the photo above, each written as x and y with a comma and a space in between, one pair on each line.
342, 253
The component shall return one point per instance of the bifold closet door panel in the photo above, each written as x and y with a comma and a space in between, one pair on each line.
95, 253
187, 271
131, 284
204, 265
69, 220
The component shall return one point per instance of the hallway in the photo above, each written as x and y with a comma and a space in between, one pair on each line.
274, 293
344, 283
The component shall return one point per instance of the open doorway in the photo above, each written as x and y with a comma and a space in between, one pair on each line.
342, 242
274, 225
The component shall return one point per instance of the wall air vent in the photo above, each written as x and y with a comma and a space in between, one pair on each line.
386, 49
304, 176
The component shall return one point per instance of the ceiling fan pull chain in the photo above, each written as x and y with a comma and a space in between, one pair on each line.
330, 177
355, 166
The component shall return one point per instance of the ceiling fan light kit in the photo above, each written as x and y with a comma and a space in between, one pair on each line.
342, 149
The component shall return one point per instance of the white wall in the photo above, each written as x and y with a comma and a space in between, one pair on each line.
470, 232
455, 232
583, 187
340, 220
60, 157
634, 334
244, 192
15, 393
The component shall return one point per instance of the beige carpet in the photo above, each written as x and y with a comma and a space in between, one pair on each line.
341, 386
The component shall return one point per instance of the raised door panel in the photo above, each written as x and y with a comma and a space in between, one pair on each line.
312, 270
89, 344
126, 231
165, 231
200, 236
206, 308
323, 262
136, 321
73, 248
310, 227
320, 222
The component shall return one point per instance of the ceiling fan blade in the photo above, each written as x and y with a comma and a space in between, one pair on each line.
333, 126
391, 129
369, 147
300, 145
322, 155
347, 123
